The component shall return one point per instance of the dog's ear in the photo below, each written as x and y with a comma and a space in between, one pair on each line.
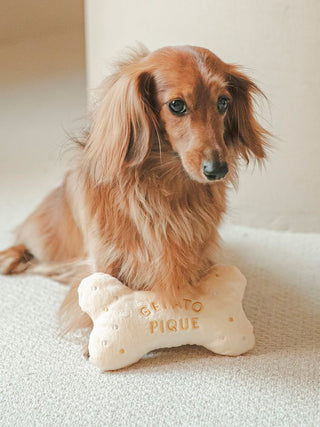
123, 125
242, 131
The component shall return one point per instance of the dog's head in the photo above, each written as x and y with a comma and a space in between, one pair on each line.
184, 97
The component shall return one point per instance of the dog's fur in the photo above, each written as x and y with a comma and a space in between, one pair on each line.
135, 203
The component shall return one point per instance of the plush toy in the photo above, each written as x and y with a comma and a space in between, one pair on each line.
128, 324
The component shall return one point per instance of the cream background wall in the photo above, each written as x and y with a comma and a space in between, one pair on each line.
42, 96
278, 42
21, 19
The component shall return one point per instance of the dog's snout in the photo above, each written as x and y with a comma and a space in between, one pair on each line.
214, 171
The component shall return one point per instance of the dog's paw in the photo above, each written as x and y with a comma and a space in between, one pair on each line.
15, 260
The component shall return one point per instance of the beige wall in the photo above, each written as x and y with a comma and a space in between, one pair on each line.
278, 42
21, 19
42, 89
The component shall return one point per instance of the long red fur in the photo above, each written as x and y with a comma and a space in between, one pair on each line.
135, 203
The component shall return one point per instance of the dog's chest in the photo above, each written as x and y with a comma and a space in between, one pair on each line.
189, 219
150, 227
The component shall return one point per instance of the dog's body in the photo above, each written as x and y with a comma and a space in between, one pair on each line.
143, 198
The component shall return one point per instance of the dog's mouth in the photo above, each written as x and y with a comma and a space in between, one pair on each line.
202, 179
214, 178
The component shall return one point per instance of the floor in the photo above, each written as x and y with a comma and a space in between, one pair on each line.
45, 380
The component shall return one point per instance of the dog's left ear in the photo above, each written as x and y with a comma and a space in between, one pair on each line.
242, 131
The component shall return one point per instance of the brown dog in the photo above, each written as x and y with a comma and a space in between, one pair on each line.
146, 192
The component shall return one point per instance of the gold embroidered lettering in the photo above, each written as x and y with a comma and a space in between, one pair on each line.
194, 322
172, 325
161, 326
186, 303
197, 306
184, 326
155, 306
144, 311
153, 326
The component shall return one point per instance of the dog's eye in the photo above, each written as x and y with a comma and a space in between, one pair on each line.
178, 107
222, 104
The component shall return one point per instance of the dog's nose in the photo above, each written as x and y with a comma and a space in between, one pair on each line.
214, 170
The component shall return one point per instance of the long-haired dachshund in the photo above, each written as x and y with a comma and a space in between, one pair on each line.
146, 191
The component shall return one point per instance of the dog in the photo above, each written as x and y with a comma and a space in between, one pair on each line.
146, 189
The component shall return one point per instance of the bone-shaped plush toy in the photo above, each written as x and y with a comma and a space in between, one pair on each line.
128, 324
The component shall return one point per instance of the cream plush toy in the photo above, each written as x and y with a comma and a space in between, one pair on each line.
128, 324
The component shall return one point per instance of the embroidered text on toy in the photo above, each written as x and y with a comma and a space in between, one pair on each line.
172, 325
185, 304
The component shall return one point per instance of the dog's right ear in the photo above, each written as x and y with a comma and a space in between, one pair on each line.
123, 125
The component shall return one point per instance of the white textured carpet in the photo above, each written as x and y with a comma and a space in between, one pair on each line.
46, 381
